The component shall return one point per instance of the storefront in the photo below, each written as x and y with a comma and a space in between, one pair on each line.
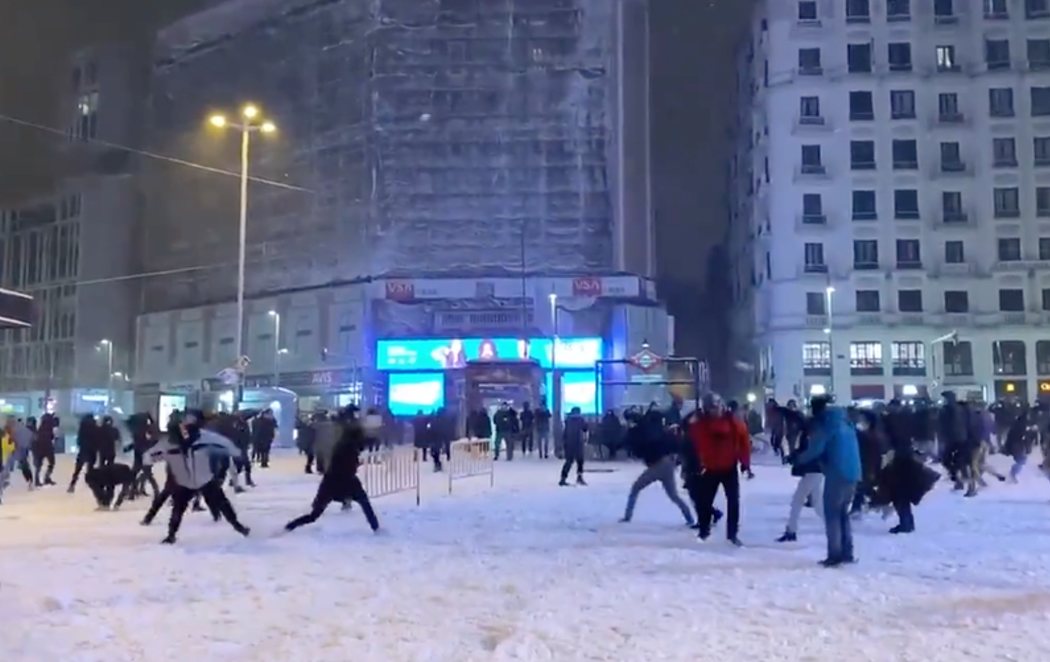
425, 374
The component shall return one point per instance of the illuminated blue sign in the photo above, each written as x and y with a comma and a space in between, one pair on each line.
410, 393
450, 353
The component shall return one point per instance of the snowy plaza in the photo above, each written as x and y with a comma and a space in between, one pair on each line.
523, 570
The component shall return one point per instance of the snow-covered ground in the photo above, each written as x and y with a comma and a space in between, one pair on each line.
521, 571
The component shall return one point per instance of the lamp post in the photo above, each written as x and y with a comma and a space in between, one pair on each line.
555, 399
108, 345
829, 293
251, 122
277, 351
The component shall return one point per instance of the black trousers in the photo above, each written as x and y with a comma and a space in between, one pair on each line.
264, 454
213, 496
572, 455
104, 493
903, 508
40, 456
83, 460
327, 495
309, 460
435, 455
143, 474
526, 442
707, 486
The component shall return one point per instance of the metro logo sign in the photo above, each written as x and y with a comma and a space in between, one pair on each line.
400, 290
587, 287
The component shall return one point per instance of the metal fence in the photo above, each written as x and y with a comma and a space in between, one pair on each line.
469, 458
392, 471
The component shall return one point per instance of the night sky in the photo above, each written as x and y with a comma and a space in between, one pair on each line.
693, 72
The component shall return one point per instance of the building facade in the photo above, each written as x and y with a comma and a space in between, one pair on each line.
890, 224
443, 168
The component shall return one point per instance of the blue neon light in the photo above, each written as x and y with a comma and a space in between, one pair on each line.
450, 353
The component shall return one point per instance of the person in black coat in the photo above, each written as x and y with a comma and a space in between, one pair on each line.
574, 436
106, 480
108, 441
263, 434
87, 448
340, 482
44, 449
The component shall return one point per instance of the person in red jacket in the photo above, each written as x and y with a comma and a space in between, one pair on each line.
724, 448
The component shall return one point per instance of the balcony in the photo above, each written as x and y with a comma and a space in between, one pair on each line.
1004, 162
915, 368
815, 268
861, 116
811, 123
812, 221
1000, 15
905, 164
907, 265
958, 319
817, 321
810, 70
858, 19
865, 266
862, 165
865, 215
945, 19
869, 319
1015, 317
997, 65
811, 172
955, 218
906, 214
1007, 214
953, 118
952, 168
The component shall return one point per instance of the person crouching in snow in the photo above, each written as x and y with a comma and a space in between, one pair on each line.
658, 449
724, 449
833, 442
340, 482
189, 453
104, 480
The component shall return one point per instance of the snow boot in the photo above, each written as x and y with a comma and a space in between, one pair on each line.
581, 481
788, 537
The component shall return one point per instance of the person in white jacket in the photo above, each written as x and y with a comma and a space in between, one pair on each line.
189, 452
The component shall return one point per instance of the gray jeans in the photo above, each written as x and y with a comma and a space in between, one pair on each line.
809, 486
662, 471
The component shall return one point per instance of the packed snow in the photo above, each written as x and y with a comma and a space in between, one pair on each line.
523, 570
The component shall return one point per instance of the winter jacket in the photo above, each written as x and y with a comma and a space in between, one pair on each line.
341, 474
22, 437
650, 450
326, 437
264, 431
506, 421
574, 433
543, 420
833, 441
528, 420
190, 461
800, 469
721, 442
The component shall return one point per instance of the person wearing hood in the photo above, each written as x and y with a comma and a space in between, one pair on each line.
658, 454
724, 450
264, 431
108, 441
340, 482
189, 452
810, 477
44, 449
833, 442
87, 448
22, 437
1020, 439
574, 437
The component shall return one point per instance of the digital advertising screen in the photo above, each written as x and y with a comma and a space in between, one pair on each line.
410, 392
452, 353
578, 390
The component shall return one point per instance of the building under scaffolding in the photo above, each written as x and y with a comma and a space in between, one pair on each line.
435, 137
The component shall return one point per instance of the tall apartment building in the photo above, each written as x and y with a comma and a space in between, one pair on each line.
71, 248
892, 187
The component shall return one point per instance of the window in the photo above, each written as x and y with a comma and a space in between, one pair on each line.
814, 257
86, 125
1009, 357
909, 254
1042, 201
951, 157
905, 155
1004, 152
1044, 248
862, 154
1040, 101
899, 56
997, 53
943, 9
898, 10
860, 106
902, 104
864, 206
1041, 147
812, 208
906, 203
809, 109
1039, 53
865, 254
948, 107
809, 61
1007, 203
1045, 300
1001, 102
858, 58
958, 359
1036, 8
996, 9
868, 301
956, 301
1011, 300
1009, 249
946, 60
811, 159
865, 357
815, 303
952, 207
807, 10
858, 11
816, 358
908, 358
1042, 355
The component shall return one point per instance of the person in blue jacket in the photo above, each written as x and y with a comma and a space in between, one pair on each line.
833, 442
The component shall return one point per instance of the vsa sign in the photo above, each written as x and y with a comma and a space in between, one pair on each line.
587, 287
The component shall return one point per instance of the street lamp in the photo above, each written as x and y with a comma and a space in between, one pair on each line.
109, 370
829, 293
555, 386
250, 123
277, 351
